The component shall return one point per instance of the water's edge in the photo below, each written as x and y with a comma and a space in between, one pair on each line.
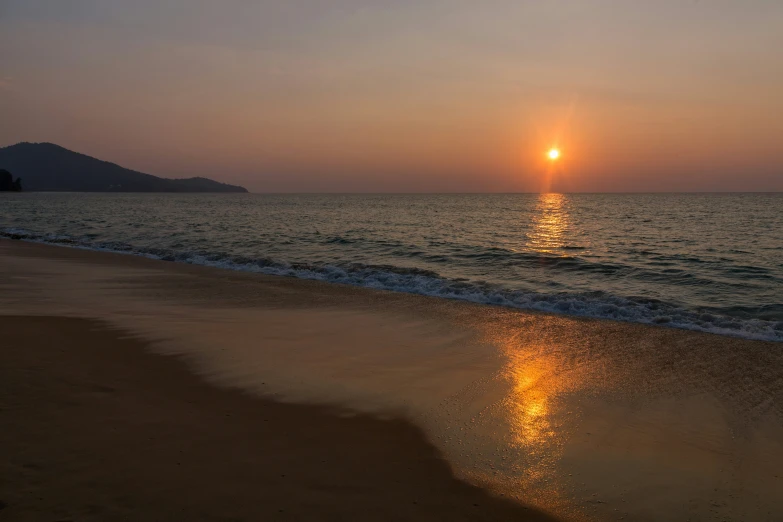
595, 304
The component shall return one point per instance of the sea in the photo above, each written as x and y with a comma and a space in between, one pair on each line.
707, 262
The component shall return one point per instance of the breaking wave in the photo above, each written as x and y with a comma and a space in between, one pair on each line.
734, 321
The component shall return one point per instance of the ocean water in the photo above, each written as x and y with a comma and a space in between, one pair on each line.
709, 262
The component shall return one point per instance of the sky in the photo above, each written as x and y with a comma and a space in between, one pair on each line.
406, 96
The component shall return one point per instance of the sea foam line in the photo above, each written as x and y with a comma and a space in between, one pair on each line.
599, 305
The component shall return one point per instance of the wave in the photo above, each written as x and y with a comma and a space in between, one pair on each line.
596, 304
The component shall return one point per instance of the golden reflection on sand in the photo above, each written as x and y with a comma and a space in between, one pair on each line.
550, 222
530, 400
538, 416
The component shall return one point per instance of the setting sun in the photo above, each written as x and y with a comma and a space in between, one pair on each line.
553, 154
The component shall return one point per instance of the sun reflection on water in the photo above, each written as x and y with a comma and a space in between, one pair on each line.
550, 224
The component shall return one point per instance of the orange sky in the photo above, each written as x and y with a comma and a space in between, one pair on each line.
405, 96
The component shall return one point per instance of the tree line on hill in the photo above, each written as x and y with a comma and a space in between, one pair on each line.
8, 183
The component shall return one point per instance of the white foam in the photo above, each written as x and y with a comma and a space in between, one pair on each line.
598, 305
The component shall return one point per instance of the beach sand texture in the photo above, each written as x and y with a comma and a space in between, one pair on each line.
360, 393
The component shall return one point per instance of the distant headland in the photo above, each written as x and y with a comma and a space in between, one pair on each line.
49, 167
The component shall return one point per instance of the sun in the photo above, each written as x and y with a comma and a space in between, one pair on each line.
553, 154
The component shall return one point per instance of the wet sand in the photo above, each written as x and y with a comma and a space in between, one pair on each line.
97, 428
583, 419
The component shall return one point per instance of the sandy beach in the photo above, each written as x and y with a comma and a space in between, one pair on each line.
136, 389
95, 428
399, 261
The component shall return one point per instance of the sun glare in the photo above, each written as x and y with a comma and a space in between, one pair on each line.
553, 154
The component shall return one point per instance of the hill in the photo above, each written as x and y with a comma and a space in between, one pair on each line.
49, 167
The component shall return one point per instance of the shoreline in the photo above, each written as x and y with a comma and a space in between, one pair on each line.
549, 410
672, 316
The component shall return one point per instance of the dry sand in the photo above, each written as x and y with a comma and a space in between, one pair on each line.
584, 419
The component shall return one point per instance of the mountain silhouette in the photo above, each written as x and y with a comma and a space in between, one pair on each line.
49, 167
